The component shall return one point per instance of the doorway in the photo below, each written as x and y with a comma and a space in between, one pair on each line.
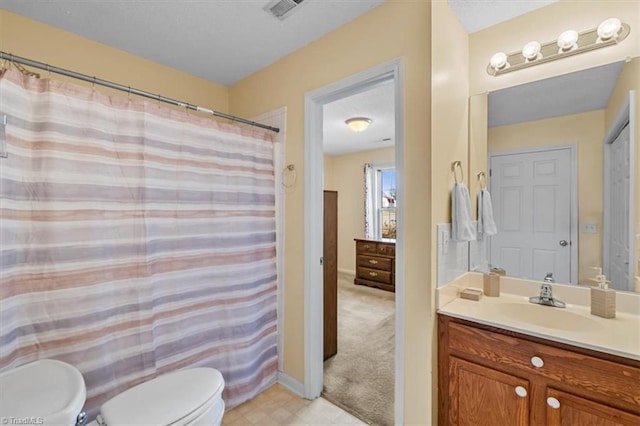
313, 175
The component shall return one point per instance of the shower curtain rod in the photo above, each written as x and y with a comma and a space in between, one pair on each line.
46, 67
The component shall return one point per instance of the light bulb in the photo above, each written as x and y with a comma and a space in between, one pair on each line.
609, 28
531, 51
358, 124
568, 40
499, 61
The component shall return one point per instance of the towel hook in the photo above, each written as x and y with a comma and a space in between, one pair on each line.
482, 180
454, 168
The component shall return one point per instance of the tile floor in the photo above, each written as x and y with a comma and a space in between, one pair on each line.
277, 406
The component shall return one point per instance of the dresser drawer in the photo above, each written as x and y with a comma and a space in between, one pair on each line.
365, 247
374, 275
381, 263
387, 249
570, 370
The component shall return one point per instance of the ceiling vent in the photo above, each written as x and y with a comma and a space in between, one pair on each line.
282, 9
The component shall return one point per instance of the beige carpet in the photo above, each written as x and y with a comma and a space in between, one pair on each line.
360, 378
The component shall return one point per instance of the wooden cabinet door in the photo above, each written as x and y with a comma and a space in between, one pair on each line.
330, 267
569, 410
481, 396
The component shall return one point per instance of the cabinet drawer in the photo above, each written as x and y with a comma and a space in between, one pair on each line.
375, 262
387, 249
596, 378
365, 247
374, 275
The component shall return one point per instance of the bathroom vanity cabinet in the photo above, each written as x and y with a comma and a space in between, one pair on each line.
490, 376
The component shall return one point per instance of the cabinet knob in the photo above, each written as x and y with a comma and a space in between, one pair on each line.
366, 246
553, 403
537, 362
373, 261
373, 274
521, 392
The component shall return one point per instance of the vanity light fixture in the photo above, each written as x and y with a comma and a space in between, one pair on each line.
609, 28
610, 32
531, 51
358, 124
499, 61
568, 40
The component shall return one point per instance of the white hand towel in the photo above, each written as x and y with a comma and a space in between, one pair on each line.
461, 225
486, 223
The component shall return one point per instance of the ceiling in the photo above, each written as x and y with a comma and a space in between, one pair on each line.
377, 104
476, 15
572, 93
225, 41
220, 40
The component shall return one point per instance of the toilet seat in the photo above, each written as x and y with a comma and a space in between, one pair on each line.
165, 400
47, 389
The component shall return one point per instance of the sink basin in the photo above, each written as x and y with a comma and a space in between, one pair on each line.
546, 316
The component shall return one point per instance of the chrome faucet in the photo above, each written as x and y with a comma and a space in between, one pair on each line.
546, 297
549, 278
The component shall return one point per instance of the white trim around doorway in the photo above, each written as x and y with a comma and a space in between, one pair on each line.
313, 170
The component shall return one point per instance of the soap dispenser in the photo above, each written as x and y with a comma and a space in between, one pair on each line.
603, 299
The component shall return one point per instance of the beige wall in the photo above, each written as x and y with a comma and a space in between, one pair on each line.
347, 178
630, 80
396, 29
40, 42
586, 130
328, 181
449, 130
450, 116
478, 126
544, 25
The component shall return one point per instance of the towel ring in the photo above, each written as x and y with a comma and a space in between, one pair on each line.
454, 168
482, 180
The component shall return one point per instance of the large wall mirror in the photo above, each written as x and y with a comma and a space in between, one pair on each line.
562, 163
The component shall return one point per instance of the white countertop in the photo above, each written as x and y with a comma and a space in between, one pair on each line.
573, 325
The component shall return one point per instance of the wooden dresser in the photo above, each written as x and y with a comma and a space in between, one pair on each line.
376, 264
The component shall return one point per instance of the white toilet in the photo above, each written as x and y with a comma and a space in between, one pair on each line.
52, 392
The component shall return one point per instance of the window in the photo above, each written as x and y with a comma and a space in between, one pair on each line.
384, 202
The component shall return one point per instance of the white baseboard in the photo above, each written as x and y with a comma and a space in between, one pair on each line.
291, 384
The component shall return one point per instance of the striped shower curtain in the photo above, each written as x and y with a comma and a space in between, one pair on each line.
135, 239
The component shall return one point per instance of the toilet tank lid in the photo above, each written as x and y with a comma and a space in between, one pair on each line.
165, 399
47, 388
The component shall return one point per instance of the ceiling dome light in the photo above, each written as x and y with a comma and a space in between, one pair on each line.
609, 28
531, 51
568, 41
358, 124
499, 61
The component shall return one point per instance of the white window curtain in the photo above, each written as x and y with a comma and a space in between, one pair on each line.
369, 212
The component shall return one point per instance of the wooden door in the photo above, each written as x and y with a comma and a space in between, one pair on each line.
330, 266
569, 410
531, 193
482, 396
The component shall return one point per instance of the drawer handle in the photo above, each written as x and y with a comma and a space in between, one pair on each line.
373, 261
521, 392
537, 362
366, 246
373, 274
553, 403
